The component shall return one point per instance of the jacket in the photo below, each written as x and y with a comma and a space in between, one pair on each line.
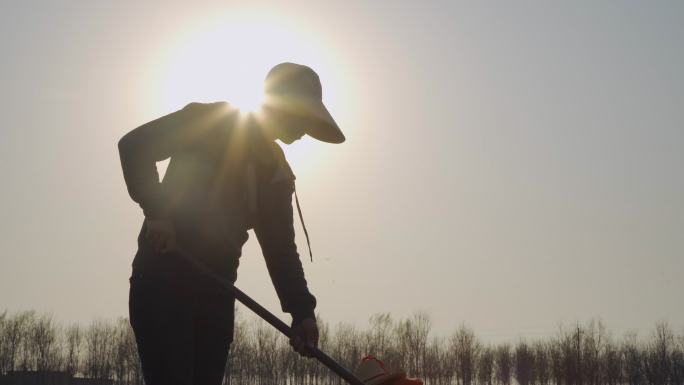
223, 178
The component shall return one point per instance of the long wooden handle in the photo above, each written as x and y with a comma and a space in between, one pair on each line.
269, 317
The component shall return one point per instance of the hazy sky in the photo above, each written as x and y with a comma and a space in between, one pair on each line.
509, 165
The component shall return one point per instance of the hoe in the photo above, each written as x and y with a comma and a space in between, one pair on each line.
269, 317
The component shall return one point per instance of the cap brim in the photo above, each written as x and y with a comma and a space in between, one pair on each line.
320, 124
325, 128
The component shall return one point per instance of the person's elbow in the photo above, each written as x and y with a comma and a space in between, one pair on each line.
126, 145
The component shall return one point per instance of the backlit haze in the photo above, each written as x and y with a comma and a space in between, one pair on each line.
508, 165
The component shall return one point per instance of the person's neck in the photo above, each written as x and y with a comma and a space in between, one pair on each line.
260, 143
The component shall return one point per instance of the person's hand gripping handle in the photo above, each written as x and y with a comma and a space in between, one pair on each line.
304, 335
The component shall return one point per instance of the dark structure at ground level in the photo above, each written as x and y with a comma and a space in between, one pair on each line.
47, 378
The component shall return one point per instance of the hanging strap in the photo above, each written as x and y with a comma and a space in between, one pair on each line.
301, 219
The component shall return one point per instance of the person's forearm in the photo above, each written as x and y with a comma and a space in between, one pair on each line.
288, 279
275, 232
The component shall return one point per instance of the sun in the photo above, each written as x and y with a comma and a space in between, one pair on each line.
227, 57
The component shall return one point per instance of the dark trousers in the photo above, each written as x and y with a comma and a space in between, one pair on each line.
183, 329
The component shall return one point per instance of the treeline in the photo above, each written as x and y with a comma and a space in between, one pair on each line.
585, 354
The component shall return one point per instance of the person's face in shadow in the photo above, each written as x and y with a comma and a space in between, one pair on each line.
290, 132
284, 126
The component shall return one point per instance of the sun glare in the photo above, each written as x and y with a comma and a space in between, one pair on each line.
224, 56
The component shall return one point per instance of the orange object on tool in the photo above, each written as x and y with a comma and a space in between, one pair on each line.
372, 371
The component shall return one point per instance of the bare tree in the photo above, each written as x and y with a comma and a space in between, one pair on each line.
72, 349
380, 335
127, 369
633, 361
412, 336
3, 342
594, 340
266, 340
677, 367
44, 337
240, 354
485, 366
14, 332
503, 364
657, 355
557, 361
542, 363
99, 344
324, 342
26, 352
523, 363
347, 346
611, 365
445, 365
567, 356
465, 349
574, 358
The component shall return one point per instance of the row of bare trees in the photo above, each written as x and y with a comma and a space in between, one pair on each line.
35, 342
580, 355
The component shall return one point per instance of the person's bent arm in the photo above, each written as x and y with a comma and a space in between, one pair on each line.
143, 147
140, 150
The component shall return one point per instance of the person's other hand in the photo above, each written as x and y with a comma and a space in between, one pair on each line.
304, 335
161, 235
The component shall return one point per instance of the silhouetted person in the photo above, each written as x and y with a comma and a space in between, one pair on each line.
226, 175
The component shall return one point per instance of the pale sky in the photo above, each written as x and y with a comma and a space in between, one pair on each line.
508, 165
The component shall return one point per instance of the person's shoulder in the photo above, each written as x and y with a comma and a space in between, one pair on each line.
208, 107
209, 114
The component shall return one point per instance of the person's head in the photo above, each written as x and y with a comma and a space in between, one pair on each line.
294, 107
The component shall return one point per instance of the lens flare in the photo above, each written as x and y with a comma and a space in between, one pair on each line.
226, 56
